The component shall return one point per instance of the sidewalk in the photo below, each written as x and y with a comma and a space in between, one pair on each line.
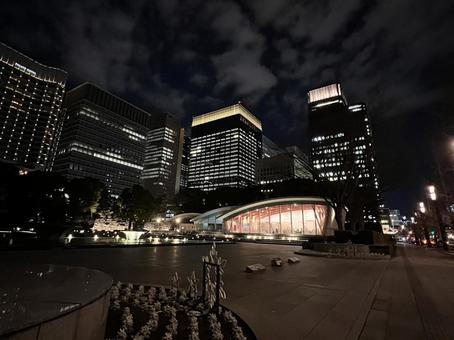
408, 303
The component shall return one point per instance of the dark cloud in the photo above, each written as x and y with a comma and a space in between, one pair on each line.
239, 66
190, 57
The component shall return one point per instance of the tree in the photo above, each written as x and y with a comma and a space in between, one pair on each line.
84, 198
338, 193
191, 200
423, 220
37, 200
105, 203
136, 205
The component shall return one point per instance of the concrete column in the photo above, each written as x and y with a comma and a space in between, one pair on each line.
280, 220
302, 219
269, 220
291, 218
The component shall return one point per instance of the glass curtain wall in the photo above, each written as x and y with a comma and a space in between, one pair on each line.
303, 219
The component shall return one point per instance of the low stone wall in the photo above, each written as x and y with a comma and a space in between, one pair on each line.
51, 302
343, 249
88, 322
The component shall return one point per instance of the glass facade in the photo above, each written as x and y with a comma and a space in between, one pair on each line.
185, 159
103, 137
342, 143
159, 175
224, 149
31, 97
289, 164
288, 219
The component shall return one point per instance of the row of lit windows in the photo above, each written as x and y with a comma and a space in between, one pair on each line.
321, 138
88, 112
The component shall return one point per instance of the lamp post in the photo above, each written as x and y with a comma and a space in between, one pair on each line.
422, 207
432, 194
422, 210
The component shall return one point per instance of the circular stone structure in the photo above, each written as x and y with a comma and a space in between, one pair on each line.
53, 302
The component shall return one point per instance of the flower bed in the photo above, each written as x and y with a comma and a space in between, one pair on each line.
139, 312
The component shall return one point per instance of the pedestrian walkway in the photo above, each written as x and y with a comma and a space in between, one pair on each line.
414, 297
410, 296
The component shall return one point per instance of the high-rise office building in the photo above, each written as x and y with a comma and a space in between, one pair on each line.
269, 148
302, 165
396, 220
162, 157
103, 137
341, 142
289, 164
225, 145
31, 96
185, 145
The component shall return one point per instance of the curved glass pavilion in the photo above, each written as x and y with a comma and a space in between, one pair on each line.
289, 215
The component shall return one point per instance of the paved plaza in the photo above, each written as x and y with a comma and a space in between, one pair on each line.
410, 296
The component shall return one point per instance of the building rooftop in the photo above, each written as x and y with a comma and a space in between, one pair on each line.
30, 66
329, 94
227, 112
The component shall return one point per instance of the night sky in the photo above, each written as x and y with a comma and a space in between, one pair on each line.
189, 57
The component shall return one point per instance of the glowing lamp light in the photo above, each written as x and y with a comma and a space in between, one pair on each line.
431, 192
422, 207
95, 237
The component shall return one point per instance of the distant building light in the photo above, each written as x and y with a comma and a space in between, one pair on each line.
227, 112
328, 103
326, 92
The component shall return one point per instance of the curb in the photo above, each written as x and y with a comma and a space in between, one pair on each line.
333, 256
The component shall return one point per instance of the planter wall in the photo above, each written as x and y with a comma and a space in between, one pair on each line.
54, 302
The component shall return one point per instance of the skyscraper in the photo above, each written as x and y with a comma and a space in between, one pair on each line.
161, 162
103, 137
289, 164
31, 96
269, 148
185, 145
225, 146
341, 141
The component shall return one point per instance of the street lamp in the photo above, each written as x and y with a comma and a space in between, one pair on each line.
422, 210
422, 207
431, 192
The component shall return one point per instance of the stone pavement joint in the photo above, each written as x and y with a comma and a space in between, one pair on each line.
358, 327
319, 298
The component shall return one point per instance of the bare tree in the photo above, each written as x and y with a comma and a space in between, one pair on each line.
339, 191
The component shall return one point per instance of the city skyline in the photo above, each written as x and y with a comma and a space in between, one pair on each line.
226, 169
265, 56
165, 153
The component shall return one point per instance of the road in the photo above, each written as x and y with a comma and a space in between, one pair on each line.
410, 295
